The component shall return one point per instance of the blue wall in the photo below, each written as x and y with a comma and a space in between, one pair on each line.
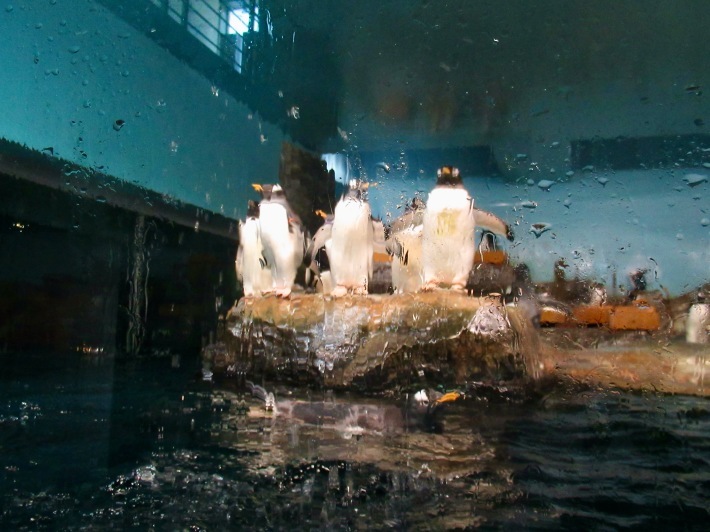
637, 219
70, 69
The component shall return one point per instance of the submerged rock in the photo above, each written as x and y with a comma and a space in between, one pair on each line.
377, 342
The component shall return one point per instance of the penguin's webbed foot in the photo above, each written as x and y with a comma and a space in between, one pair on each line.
430, 286
339, 291
283, 292
360, 291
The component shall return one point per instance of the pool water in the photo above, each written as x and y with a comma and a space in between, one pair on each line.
97, 443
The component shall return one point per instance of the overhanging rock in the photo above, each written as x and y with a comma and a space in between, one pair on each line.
377, 342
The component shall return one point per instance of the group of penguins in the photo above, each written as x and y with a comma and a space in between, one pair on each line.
432, 244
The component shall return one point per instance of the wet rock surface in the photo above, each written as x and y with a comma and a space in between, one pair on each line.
377, 342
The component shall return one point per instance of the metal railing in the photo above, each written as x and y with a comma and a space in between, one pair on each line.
216, 24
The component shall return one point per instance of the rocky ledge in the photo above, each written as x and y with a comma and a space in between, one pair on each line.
377, 342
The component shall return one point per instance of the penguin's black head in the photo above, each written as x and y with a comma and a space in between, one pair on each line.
277, 192
358, 189
252, 209
416, 204
448, 176
263, 190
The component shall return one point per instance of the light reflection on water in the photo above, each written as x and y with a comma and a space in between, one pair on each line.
133, 445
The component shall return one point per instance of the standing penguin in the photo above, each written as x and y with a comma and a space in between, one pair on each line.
350, 246
316, 259
448, 228
405, 246
282, 238
252, 269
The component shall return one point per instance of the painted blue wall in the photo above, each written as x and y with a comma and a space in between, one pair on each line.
637, 219
71, 69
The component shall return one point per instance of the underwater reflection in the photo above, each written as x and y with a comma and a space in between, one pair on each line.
147, 445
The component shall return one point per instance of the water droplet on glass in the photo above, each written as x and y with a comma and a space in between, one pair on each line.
545, 184
49, 150
567, 203
38, 26
705, 222
570, 173
530, 182
602, 181
679, 236
73, 49
101, 199
9, 8
118, 124
528, 204
539, 228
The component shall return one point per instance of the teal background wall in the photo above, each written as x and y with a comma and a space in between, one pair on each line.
71, 69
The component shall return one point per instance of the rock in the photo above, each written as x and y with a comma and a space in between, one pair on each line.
377, 342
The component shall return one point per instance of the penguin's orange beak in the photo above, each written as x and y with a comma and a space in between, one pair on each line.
257, 187
322, 214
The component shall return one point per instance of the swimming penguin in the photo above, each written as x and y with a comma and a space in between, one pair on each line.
282, 239
405, 246
252, 269
448, 228
422, 410
316, 258
350, 246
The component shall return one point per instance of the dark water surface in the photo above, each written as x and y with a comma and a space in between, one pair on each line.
89, 443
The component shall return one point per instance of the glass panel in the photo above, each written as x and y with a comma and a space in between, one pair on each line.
296, 264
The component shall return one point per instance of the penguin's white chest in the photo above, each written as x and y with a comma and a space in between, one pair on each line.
282, 251
448, 243
351, 242
255, 277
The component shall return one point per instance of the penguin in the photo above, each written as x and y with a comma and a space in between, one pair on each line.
488, 242
411, 217
490, 223
350, 247
405, 246
282, 238
381, 280
697, 328
251, 266
406, 250
448, 227
316, 258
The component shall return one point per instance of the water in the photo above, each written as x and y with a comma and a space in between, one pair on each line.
93, 443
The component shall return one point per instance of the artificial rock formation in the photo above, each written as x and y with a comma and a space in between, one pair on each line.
377, 342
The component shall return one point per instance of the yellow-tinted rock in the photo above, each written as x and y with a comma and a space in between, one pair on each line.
379, 341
